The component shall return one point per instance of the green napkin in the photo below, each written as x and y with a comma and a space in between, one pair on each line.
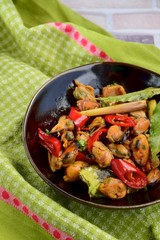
15, 225
31, 52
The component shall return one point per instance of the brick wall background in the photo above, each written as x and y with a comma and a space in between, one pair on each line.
137, 20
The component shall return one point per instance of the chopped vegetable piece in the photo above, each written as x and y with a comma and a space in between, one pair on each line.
77, 117
123, 121
95, 137
128, 173
84, 157
82, 144
52, 144
118, 108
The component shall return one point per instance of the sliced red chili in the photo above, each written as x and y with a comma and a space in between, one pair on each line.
95, 137
51, 143
78, 119
120, 120
83, 157
128, 173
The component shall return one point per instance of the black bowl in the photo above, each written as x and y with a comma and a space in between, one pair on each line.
54, 98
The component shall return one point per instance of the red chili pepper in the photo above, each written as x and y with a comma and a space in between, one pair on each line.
95, 137
120, 120
78, 119
52, 144
82, 157
128, 173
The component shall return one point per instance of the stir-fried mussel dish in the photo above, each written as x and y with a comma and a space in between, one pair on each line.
110, 141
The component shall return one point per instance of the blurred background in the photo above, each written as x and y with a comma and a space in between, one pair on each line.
130, 20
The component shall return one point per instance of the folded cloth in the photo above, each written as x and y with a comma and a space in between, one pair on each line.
39, 39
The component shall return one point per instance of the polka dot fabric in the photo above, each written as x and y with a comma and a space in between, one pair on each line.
82, 41
12, 200
28, 58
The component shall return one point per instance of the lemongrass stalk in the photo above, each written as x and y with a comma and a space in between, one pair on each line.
118, 108
144, 94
